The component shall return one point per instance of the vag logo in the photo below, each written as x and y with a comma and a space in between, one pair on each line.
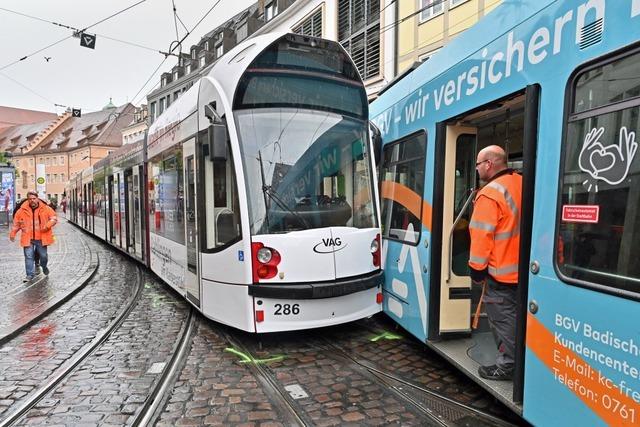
330, 245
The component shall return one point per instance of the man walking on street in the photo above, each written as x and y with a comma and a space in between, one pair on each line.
494, 253
35, 220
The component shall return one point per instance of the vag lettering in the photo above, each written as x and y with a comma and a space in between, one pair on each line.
329, 245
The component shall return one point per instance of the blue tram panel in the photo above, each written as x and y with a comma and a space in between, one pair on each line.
556, 84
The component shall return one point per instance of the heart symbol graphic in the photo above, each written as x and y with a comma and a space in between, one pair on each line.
602, 161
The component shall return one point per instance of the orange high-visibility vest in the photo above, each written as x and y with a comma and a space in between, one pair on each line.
495, 228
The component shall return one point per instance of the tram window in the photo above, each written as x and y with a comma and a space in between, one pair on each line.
599, 213
221, 203
607, 84
402, 182
166, 216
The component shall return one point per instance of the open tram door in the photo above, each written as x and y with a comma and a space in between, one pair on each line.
192, 277
511, 123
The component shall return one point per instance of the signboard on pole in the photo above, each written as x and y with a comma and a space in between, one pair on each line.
41, 181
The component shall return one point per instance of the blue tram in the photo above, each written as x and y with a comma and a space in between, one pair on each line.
557, 85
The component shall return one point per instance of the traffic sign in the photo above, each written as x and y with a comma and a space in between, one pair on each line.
88, 40
76, 112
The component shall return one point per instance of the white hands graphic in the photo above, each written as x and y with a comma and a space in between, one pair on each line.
610, 164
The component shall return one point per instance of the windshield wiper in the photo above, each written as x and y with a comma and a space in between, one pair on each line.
266, 189
268, 192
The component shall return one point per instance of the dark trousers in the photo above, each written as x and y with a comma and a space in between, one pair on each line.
500, 304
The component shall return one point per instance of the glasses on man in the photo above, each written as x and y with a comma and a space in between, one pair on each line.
481, 162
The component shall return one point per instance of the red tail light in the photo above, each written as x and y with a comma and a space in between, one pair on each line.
264, 261
379, 298
259, 316
375, 250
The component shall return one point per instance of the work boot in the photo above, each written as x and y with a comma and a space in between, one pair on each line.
494, 372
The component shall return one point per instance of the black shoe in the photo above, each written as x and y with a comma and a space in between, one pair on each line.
494, 372
27, 279
45, 270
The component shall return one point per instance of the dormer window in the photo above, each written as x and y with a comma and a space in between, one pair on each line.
188, 68
193, 54
203, 61
270, 10
219, 51
206, 45
175, 75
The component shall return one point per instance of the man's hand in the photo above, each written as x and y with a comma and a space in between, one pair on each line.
480, 283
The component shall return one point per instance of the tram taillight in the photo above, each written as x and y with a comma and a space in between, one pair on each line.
265, 261
375, 250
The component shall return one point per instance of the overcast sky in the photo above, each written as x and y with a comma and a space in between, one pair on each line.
84, 78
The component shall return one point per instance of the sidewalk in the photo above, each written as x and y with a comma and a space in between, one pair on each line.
71, 265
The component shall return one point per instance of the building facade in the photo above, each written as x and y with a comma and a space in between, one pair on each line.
65, 146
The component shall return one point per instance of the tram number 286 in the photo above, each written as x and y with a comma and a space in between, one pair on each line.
286, 309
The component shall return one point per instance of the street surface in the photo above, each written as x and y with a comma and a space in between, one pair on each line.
93, 344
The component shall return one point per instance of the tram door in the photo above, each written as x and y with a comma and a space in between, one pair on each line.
128, 212
110, 211
459, 183
91, 211
192, 280
136, 211
115, 199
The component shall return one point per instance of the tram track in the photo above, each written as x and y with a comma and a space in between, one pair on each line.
70, 365
288, 408
456, 412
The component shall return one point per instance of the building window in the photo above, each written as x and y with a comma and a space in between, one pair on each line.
188, 68
54, 161
55, 177
152, 111
242, 32
270, 10
359, 33
61, 160
62, 177
206, 45
431, 8
454, 3
219, 51
203, 61
311, 26
193, 54
176, 95
175, 75
30, 162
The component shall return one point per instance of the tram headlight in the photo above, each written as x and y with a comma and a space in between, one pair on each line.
264, 255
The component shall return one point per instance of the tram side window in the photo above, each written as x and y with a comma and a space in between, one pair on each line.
599, 213
166, 194
221, 200
402, 182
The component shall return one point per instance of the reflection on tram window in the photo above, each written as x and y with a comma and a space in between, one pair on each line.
599, 221
166, 216
305, 169
402, 181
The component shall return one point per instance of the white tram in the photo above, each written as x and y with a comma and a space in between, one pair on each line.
254, 195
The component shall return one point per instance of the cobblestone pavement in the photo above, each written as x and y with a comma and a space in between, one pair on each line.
71, 263
110, 387
32, 357
219, 387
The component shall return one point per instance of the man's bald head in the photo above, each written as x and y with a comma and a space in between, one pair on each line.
490, 161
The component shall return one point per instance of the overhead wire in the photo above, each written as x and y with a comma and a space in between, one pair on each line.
64, 26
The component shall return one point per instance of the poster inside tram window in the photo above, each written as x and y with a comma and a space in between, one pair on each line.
6, 192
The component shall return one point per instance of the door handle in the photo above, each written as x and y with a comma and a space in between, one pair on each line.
453, 227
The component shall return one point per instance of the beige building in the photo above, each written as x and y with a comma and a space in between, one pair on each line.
65, 146
425, 26
137, 129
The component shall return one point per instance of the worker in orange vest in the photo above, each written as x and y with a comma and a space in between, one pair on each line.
35, 219
494, 253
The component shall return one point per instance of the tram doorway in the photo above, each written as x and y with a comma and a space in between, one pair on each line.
510, 123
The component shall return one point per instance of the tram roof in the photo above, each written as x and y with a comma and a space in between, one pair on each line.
226, 71
497, 23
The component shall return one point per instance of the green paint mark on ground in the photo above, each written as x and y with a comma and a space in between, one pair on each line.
247, 358
386, 336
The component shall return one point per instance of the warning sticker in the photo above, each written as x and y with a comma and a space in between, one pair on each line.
581, 213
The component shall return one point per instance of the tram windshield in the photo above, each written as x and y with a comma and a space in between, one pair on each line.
305, 169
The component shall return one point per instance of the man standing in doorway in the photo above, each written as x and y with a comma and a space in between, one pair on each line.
35, 220
494, 253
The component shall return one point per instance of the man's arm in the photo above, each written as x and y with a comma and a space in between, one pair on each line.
482, 230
